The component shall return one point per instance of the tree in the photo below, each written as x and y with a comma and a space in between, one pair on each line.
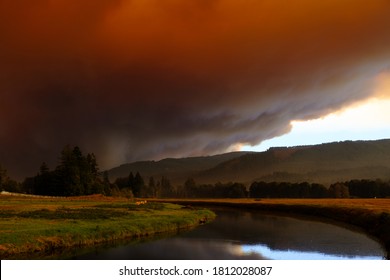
6, 183
190, 188
152, 187
149, 190
43, 181
122, 182
259, 189
92, 165
3, 177
138, 185
166, 189
190, 183
318, 191
106, 184
76, 174
237, 190
338, 190
130, 180
69, 172
304, 190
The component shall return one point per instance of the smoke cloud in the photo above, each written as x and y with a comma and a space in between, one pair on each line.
131, 80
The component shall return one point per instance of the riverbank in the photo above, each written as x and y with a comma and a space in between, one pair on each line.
371, 215
39, 225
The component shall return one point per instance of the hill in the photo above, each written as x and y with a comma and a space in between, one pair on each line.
325, 163
176, 169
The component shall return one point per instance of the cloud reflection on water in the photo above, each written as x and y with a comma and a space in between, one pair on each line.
178, 248
252, 235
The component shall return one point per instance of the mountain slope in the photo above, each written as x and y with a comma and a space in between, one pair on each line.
177, 170
323, 163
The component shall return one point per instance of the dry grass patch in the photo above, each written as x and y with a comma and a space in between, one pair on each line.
39, 225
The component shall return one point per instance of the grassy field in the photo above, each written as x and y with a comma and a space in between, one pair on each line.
371, 215
372, 205
38, 225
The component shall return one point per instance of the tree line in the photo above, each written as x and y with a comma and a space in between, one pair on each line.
162, 188
348, 189
287, 190
136, 185
191, 189
368, 188
78, 174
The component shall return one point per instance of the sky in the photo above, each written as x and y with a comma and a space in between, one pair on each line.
147, 79
366, 120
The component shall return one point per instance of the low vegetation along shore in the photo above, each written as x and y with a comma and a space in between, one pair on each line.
31, 225
371, 215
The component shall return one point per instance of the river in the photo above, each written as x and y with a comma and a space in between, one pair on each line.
239, 234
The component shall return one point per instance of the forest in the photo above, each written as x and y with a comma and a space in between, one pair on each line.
78, 174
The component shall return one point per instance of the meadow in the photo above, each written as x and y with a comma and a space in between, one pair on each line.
39, 225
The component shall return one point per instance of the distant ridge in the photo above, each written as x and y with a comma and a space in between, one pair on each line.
176, 169
324, 163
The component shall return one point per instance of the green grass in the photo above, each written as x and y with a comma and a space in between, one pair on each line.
29, 225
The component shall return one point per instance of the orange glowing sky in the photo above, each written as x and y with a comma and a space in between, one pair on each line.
146, 79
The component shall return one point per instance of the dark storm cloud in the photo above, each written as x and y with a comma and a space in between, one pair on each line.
147, 79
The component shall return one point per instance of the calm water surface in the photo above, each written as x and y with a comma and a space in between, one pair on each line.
237, 234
